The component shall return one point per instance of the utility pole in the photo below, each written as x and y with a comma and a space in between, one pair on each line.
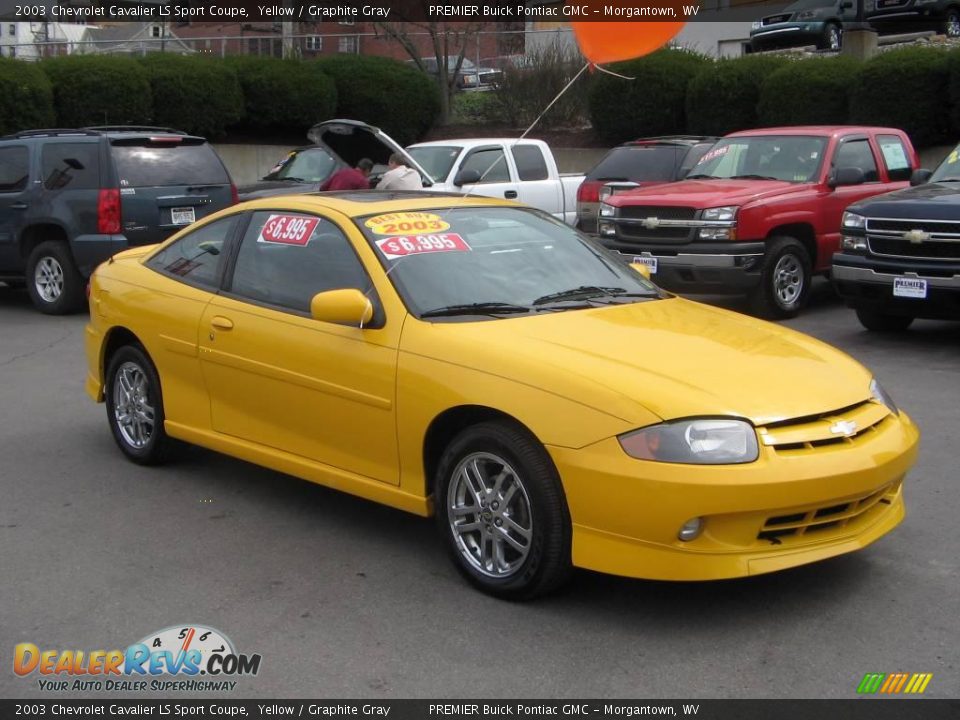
286, 35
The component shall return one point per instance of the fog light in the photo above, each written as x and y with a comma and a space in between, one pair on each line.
691, 529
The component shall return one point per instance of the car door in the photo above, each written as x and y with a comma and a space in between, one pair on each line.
852, 151
535, 186
280, 379
490, 163
14, 191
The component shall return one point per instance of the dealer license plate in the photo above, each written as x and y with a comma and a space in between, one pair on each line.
650, 262
182, 216
910, 288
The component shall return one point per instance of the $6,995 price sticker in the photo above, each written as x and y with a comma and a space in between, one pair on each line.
288, 229
403, 245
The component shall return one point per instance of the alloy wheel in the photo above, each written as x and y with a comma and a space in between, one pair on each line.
131, 408
48, 279
788, 279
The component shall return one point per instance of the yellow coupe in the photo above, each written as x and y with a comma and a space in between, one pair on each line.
483, 362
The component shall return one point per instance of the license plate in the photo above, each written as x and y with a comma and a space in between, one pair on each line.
650, 262
909, 288
182, 216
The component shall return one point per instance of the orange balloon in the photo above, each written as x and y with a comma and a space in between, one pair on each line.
604, 42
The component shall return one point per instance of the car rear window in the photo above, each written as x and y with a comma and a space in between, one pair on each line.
639, 163
71, 166
152, 164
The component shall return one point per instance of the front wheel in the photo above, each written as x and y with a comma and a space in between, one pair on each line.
832, 37
951, 25
135, 406
53, 280
785, 280
882, 322
502, 512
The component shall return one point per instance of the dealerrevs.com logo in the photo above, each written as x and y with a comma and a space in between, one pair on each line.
178, 658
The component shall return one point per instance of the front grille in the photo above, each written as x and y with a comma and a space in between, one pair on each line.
824, 517
838, 427
936, 227
674, 235
774, 19
930, 249
661, 213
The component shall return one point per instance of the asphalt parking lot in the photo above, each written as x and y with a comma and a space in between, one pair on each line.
344, 598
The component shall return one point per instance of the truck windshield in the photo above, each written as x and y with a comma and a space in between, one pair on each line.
949, 169
436, 159
791, 158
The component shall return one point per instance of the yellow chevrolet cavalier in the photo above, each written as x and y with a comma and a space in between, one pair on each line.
485, 363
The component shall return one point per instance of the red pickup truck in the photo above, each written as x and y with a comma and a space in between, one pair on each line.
759, 214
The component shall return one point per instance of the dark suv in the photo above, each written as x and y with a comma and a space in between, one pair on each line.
69, 199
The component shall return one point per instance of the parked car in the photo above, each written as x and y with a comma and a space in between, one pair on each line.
805, 22
70, 199
912, 15
522, 170
900, 253
469, 76
303, 169
482, 362
759, 214
638, 164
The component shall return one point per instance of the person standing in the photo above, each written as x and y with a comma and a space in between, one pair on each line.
355, 178
399, 176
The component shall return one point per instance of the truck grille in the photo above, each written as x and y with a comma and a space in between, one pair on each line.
930, 250
774, 19
662, 213
911, 238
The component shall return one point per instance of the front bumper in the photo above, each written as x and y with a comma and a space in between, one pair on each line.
626, 513
787, 35
714, 268
866, 283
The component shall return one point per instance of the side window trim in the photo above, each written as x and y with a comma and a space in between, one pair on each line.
542, 161
214, 287
30, 170
880, 138
854, 138
511, 173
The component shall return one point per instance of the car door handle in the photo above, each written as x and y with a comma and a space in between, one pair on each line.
221, 323
510, 194
18, 206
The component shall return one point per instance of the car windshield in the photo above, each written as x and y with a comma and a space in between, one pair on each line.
436, 159
792, 158
639, 163
497, 261
310, 165
949, 169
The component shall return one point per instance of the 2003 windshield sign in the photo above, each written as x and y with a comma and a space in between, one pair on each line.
186, 658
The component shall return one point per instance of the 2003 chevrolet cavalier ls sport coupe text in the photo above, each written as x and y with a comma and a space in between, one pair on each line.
483, 362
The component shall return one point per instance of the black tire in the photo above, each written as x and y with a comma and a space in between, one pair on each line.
134, 362
785, 279
882, 322
532, 494
54, 283
832, 38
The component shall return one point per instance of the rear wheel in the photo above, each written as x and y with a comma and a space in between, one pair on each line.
951, 25
135, 406
832, 37
882, 322
53, 280
785, 279
502, 512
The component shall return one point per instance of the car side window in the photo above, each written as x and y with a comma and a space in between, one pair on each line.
197, 257
530, 162
491, 163
895, 157
286, 258
73, 166
857, 153
14, 168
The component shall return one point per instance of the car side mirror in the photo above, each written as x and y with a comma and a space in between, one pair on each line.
466, 177
642, 269
348, 306
846, 176
920, 176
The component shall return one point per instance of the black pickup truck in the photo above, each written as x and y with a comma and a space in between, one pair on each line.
900, 256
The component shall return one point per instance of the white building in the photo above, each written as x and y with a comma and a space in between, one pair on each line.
33, 40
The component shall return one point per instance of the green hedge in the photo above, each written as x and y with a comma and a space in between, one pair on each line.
653, 103
906, 89
284, 95
98, 90
723, 96
389, 94
198, 94
26, 97
808, 92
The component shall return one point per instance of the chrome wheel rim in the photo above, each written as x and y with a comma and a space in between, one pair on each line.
131, 410
788, 279
489, 515
48, 279
953, 25
834, 40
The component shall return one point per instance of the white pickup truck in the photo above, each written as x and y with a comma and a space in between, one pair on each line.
522, 170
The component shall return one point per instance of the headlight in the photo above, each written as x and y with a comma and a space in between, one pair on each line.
607, 210
715, 233
852, 220
853, 242
882, 397
697, 442
756, 25
720, 213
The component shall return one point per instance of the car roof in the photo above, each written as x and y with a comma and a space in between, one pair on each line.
356, 203
672, 140
825, 130
111, 131
473, 142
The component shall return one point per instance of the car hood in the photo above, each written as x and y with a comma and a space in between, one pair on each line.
351, 140
933, 201
266, 188
673, 358
704, 193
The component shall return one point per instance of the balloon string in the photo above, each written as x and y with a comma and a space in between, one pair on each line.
611, 72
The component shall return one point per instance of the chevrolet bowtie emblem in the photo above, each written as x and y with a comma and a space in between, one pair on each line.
916, 236
844, 427
651, 223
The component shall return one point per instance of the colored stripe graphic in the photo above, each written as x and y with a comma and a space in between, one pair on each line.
894, 683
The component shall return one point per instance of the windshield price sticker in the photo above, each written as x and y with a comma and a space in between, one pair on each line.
408, 223
288, 229
402, 246
712, 154
910, 288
